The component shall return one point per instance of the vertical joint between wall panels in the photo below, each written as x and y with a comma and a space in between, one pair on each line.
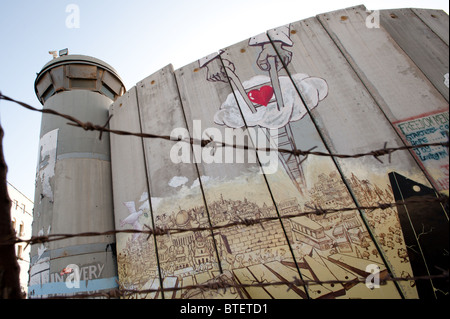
432, 83
269, 189
428, 26
364, 82
149, 198
341, 174
432, 31
351, 64
219, 263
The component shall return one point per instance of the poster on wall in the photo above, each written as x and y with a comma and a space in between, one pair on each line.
429, 128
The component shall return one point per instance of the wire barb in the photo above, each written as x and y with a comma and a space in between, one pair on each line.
88, 126
220, 283
157, 231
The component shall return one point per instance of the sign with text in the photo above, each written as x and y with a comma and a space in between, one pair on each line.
429, 128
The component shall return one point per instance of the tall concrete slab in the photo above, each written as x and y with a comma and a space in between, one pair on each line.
131, 200
421, 44
358, 128
233, 186
254, 66
174, 186
351, 122
416, 109
379, 62
437, 20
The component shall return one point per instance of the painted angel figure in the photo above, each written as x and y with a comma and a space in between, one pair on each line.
269, 99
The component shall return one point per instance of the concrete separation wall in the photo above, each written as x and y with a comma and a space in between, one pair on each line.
343, 82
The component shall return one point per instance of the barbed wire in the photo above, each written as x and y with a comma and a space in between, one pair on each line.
158, 231
219, 283
89, 126
223, 283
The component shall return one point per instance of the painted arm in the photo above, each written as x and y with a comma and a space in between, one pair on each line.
216, 71
280, 39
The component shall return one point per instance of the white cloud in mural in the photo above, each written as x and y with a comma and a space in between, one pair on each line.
156, 201
312, 89
177, 181
196, 182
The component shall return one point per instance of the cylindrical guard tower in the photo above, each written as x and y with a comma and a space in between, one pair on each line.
73, 181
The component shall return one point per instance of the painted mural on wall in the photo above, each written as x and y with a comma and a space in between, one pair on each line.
337, 195
429, 128
334, 246
337, 246
268, 100
426, 235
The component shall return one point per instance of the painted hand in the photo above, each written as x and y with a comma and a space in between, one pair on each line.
216, 71
285, 55
267, 52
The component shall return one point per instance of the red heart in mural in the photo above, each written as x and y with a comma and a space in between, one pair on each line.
261, 96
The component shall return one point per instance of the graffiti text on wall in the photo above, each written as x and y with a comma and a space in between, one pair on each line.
429, 128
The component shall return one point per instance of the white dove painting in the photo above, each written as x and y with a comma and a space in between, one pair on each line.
132, 219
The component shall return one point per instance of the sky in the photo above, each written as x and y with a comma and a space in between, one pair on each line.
137, 38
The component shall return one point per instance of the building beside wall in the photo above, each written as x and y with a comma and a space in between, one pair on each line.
21, 218
344, 82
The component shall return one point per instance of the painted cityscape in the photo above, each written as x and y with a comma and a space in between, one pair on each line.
335, 246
